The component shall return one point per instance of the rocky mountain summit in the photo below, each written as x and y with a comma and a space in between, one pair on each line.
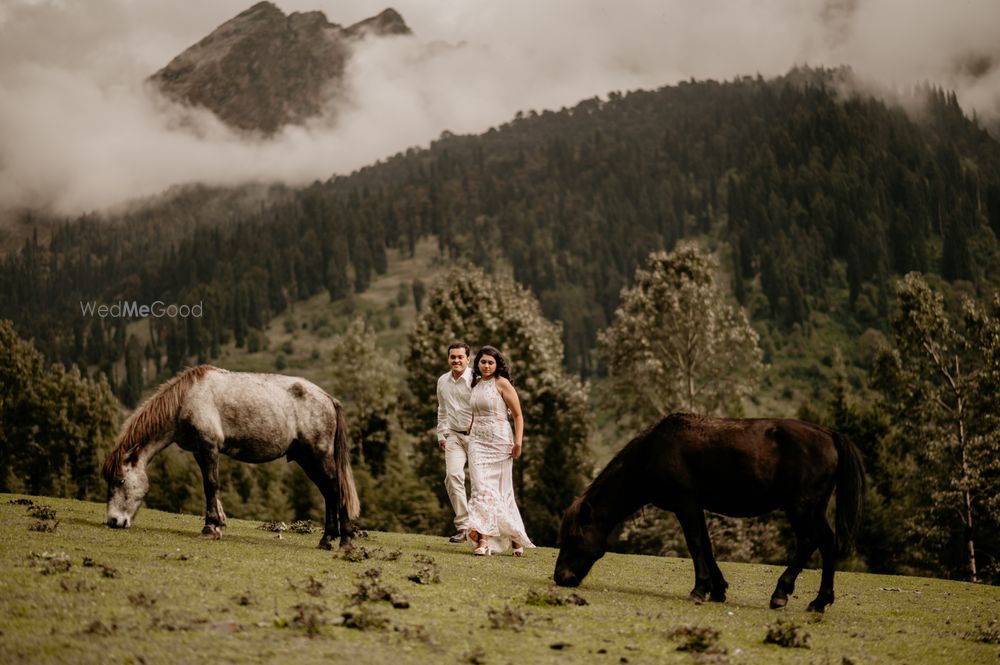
262, 69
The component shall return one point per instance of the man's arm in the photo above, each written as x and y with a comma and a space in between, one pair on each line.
442, 426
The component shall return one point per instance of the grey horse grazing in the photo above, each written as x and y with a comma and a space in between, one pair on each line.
249, 417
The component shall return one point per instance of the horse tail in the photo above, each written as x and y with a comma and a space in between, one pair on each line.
851, 488
342, 458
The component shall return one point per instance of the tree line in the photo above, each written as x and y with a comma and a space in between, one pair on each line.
793, 176
800, 188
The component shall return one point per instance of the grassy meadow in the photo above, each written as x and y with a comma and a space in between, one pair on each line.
75, 591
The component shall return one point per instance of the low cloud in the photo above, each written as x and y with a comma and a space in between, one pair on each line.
81, 131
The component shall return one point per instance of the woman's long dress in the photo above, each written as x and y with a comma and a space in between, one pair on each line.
493, 512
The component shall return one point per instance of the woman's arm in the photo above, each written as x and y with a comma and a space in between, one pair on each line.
510, 398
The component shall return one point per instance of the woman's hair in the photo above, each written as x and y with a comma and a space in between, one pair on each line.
503, 369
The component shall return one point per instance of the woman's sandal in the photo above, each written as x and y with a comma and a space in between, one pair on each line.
518, 550
483, 549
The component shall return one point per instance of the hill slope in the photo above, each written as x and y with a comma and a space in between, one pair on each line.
157, 593
818, 198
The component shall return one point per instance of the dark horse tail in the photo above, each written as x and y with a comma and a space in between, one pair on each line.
342, 458
851, 488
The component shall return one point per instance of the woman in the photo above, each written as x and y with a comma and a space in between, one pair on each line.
494, 521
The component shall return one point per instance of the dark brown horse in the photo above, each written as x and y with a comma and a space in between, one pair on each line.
688, 464
249, 417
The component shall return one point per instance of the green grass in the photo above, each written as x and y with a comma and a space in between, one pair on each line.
159, 594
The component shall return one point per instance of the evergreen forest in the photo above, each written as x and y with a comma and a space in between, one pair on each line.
817, 197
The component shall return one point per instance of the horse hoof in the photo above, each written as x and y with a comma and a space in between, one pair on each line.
718, 597
813, 607
777, 603
325, 545
347, 547
697, 598
211, 533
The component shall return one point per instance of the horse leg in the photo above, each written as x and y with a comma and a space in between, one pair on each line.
215, 517
828, 551
708, 580
321, 471
805, 545
346, 529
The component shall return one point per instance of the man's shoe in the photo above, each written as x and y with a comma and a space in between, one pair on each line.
459, 537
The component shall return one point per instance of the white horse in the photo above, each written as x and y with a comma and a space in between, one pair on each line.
249, 417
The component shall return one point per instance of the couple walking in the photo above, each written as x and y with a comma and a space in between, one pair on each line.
473, 404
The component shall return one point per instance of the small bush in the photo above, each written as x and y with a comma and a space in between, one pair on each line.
988, 633
245, 599
553, 598
371, 589
786, 634
43, 526
51, 563
365, 618
277, 527
308, 617
303, 526
697, 639
42, 512
507, 618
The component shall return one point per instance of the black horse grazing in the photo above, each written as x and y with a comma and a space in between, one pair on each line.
741, 468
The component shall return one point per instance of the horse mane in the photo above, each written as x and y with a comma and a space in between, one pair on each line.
613, 468
151, 418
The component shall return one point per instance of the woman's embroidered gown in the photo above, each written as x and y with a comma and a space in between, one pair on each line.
492, 509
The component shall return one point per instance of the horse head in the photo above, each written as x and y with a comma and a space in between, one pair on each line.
126, 490
582, 541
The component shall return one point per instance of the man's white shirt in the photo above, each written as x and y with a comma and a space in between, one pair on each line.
454, 410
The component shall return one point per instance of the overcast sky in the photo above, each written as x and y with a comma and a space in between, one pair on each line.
79, 132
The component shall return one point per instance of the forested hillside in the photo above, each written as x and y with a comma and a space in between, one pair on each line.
791, 174
813, 200
808, 187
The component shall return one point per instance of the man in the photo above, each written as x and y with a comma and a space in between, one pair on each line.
454, 419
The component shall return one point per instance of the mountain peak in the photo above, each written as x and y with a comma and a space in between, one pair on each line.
261, 69
386, 23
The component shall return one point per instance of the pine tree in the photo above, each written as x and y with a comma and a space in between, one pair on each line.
54, 425
939, 386
675, 343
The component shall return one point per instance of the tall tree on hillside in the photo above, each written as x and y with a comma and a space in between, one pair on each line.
471, 305
676, 344
364, 380
54, 424
393, 498
940, 384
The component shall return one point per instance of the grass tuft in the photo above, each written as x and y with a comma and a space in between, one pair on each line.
553, 597
787, 634
697, 639
507, 619
42, 512
427, 570
365, 618
988, 633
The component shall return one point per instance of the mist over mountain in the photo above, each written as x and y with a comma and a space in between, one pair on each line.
262, 70
79, 130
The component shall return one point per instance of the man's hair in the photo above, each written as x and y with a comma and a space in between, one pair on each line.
461, 345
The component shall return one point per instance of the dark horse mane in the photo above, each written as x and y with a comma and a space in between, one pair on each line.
151, 418
612, 470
